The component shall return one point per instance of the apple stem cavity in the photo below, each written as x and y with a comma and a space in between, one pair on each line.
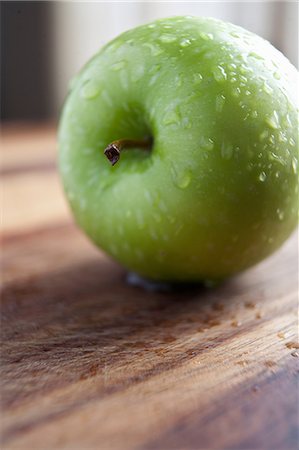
112, 151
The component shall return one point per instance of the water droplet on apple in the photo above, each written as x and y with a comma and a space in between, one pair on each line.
219, 74
185, 42
227, 150
206, 36
282, 137
274, 157
154, 72
292, 142
267, 89
280, 214
167, 38
255, 55
243, 80
153, 79
197, 78
138, 72
206, 143
243, 69
235, 34
90, 90
181, 178
186, 123
116, 67
236, 91
178, 80
287, 121
263, 135
262, 177
107, 98
294, 164
172, 117
273, 120
154, 49
124, 80
220, 101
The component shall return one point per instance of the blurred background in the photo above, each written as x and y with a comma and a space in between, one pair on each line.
43, 44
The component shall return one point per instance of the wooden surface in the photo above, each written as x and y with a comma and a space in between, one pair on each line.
89, 362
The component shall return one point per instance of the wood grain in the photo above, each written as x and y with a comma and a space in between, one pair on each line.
89, 362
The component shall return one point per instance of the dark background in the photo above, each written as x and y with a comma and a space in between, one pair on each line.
25, 71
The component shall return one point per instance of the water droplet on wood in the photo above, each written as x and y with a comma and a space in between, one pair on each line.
270, 363
235, 323
281, 335
250, 305
292, 344
243, 363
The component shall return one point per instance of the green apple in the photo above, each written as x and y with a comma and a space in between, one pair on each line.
205, 116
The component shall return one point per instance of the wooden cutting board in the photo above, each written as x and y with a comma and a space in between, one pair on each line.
89, 362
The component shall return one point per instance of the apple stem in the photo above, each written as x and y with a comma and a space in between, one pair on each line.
112, 151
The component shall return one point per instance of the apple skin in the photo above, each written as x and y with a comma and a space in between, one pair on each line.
218, 191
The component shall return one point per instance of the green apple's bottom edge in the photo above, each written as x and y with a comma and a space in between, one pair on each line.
149, 285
